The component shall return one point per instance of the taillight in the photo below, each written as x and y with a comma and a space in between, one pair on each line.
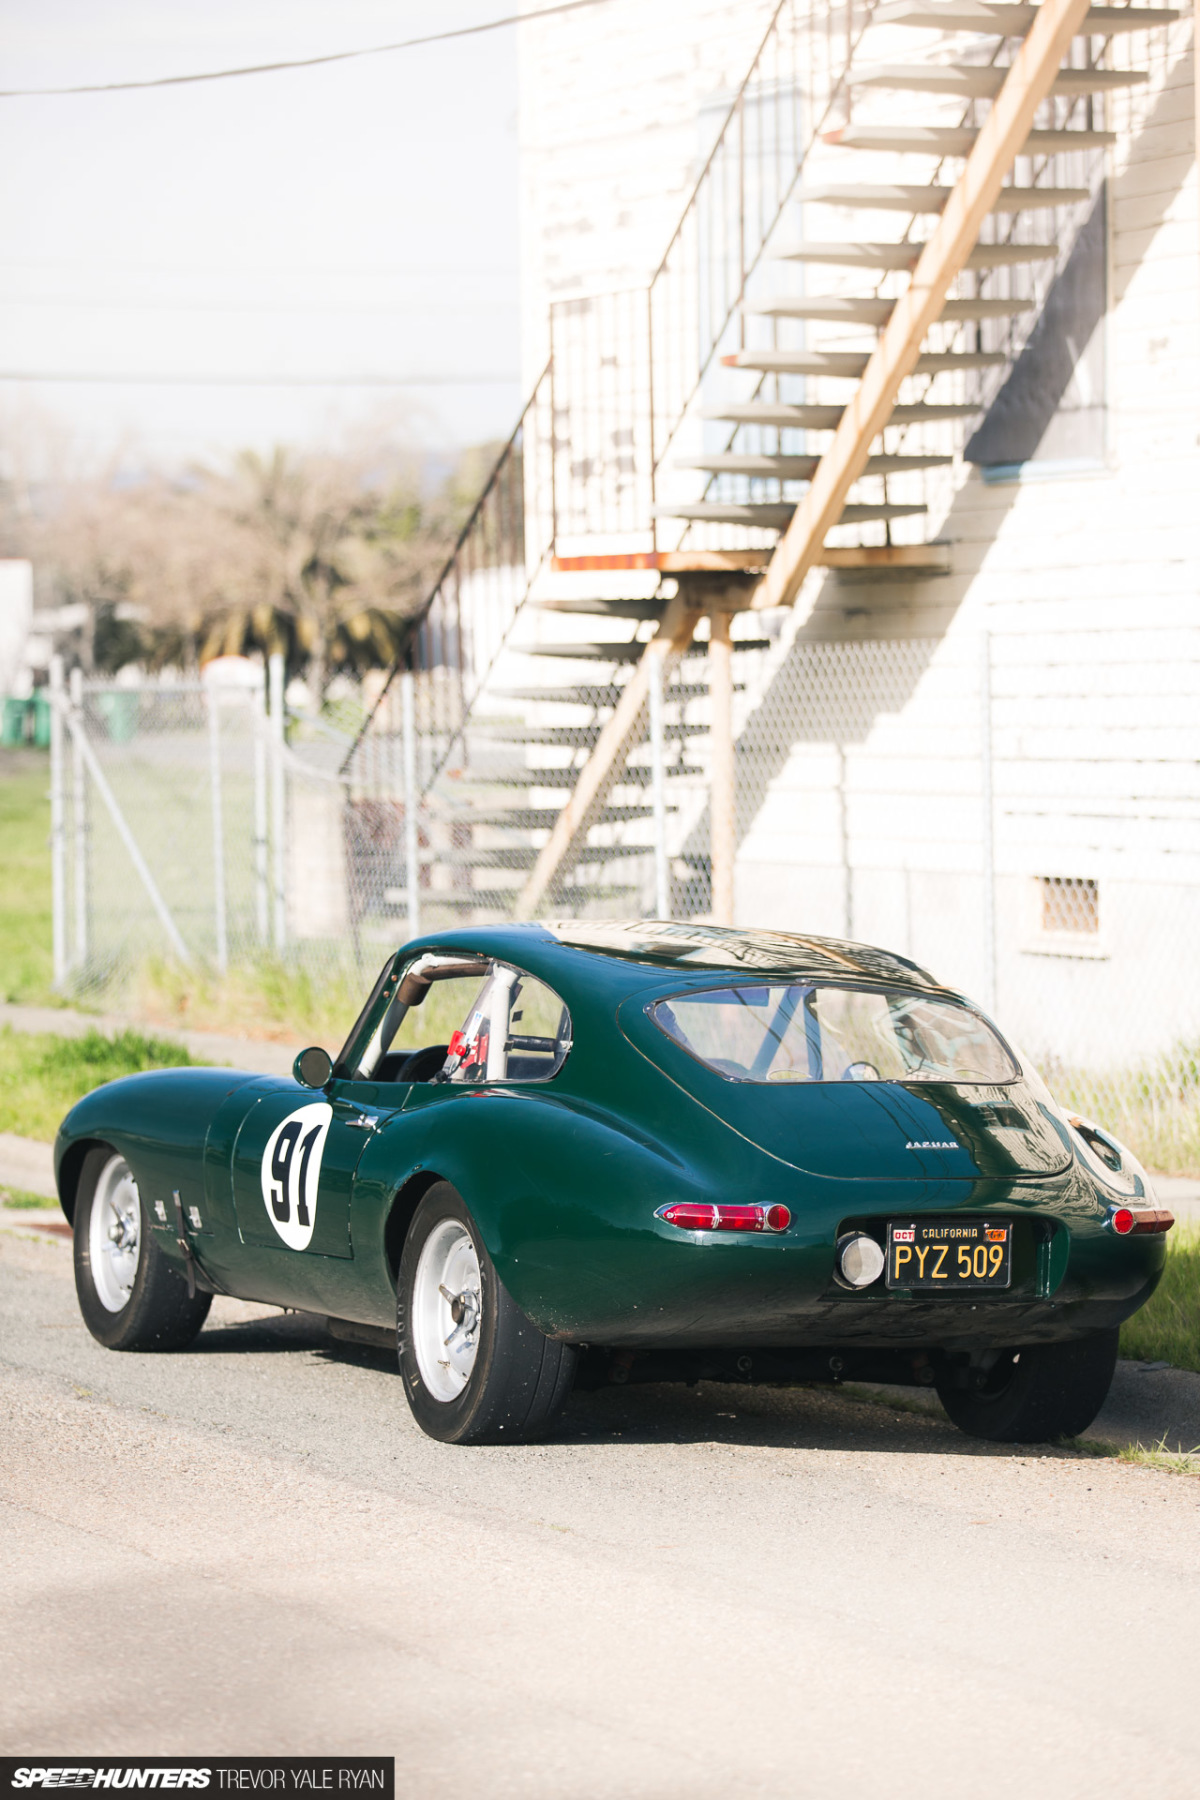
1147, 1222
690, 1217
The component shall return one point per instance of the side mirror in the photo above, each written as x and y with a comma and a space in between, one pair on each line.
313, 1067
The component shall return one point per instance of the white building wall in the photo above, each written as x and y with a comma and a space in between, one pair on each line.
1089, 583
618, 104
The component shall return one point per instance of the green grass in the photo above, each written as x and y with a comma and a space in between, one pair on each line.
1167, 1329
22, 1201
1157, 1456
1153, 1106
41, 1075
26, 966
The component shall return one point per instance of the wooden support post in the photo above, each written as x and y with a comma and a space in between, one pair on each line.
602, 770
1007, 126
721, 776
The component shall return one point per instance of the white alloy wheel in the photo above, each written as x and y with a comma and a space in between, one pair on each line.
115, 1235
446, 1303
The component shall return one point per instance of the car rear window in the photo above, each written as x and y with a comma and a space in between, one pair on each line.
792, 1031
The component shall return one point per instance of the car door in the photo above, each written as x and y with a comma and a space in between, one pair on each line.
292, 1171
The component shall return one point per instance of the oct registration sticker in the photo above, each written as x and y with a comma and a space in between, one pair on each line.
941, 1256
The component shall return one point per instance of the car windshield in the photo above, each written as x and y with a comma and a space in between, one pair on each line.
791, 1031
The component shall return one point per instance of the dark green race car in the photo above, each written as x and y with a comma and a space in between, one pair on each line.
605, 1152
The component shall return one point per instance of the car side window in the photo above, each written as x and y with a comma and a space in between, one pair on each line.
517, 1029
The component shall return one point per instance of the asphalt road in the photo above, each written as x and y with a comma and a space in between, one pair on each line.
249, 1548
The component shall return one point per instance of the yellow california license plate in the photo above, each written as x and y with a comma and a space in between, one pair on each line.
949, 1255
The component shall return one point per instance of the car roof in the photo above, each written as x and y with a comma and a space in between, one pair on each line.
636, 949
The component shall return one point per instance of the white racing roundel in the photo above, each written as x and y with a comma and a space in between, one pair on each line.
291, 1170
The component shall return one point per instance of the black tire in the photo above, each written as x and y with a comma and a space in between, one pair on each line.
519, 1382
1036, 1394
156, 1313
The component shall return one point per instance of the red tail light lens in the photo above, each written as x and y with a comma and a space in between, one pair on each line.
688, 1217
1122, 1221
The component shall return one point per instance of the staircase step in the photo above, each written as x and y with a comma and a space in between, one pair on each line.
604, 695
827, 418
571, 737
958, 140
460, 900
849, 364
904, 255
627, 652
1002, 18
543, 818
860, 310
802, 468
984, 81
916, 197
559, 780
608, 609
775, 515
523, 856
896, 561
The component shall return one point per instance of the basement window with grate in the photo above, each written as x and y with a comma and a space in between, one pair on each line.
1064, 916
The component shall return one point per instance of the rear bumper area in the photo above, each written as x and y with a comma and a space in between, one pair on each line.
898, 1322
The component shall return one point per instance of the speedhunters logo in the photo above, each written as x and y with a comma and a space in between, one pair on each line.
218, 1775
71, 1775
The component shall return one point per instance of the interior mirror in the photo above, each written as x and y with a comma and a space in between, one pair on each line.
313, 1067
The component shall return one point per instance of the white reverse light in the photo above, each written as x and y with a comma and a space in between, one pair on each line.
860, 1259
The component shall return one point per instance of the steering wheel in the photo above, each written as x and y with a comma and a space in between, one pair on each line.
423, 1065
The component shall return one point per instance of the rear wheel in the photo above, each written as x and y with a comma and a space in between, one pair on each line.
1035, 1394
476, 1371
130, 1296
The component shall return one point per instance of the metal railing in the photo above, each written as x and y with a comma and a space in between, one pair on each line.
454, 638
630, 366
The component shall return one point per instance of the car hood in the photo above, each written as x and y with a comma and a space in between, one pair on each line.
871, 1130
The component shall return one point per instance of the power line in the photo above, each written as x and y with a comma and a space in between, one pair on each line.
304, 62
286, 381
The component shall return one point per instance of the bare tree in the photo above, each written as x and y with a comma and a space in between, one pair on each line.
321, 555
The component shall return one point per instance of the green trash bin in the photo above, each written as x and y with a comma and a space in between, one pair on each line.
41, 719
14, 726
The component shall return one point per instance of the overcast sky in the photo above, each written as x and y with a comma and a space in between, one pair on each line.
357, 219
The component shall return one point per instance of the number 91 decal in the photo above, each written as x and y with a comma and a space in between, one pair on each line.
291, 1171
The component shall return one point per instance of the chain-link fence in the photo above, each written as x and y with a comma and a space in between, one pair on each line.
926, 794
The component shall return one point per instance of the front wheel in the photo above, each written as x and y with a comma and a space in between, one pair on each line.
130, 1296
1035, 1394
476, 1371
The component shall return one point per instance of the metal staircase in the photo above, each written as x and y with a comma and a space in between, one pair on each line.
819, 423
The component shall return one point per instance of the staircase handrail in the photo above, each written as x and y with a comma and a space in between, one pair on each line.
414, 623
837, 91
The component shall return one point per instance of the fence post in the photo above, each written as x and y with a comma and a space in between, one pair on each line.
721, 771
662, 885
278, 798
218, 828
262, 888
79, 820
412, 867
58, 838
987, 821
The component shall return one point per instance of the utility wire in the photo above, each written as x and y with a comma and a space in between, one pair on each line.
304, 62
290, 381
